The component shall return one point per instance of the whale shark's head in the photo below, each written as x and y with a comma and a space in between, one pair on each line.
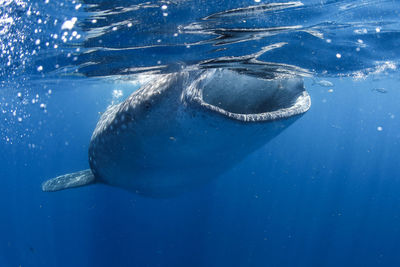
248, 98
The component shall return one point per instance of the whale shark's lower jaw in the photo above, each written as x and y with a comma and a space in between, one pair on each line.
247, 98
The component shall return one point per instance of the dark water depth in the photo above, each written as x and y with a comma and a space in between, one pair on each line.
325, 192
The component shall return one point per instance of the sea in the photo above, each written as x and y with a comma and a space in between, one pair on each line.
324, 192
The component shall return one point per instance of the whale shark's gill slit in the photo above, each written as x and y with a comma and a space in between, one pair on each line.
249, 98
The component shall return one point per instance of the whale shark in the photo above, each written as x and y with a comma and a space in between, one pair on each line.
184, 129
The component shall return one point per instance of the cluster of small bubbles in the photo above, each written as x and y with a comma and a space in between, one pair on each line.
117, 93
31, 146
361, 31
14, 116
26, 40
164, 8
69, 24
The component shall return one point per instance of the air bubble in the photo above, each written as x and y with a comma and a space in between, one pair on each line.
69, 24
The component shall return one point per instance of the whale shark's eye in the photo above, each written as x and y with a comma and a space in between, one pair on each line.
147, 105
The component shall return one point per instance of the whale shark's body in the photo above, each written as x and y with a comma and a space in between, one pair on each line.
184, 129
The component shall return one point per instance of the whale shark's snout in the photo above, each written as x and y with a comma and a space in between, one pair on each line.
248, 98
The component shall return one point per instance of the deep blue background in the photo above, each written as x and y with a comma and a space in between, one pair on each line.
323, 193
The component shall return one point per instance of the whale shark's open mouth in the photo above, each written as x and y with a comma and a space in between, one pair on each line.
248, 98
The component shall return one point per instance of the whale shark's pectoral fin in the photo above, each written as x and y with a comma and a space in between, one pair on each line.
70, 180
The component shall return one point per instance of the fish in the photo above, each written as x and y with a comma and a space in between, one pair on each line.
379, 90
184, 129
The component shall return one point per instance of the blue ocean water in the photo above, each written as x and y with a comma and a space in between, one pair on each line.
322, 193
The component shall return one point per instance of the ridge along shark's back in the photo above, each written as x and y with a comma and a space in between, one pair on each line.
186, 128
